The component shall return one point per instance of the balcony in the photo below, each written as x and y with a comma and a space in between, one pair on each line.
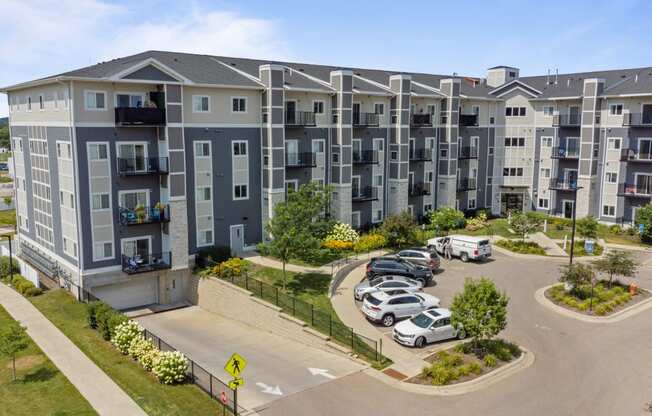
637, 120
145, 215
468, 120
368, 193
142, 263
40, 261
566, 120
137, 166
420, 189
300, 160
633, 190
565, 153
139, 116
468, 152
420, 120
365, 120
467, 184
299, 119
420, 155
557, 184
633, 155
365, 157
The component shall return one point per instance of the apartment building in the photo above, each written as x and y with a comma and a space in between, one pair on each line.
126, 169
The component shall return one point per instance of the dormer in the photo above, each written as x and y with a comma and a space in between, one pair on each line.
500, 75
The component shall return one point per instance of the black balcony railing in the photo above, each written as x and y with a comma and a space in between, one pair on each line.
633, 155
141, 116
368, 193
420, 120
145, 215
420, 189
420, 155
468, 152
566, 120
143, 166
299, 118
300, 160
637, 120
565, 152
141, 263
468, 120
640, 190
40, 261
365, 157
467, 184
365, 119
560, 184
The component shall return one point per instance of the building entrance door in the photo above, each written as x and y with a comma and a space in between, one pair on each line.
510, 202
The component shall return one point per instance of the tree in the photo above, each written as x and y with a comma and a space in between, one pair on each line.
4, 137
481, 309
616, 263
399, 229
644, 217
524, 224
445, 219
576, 275
587, 227
299, 223
13, 339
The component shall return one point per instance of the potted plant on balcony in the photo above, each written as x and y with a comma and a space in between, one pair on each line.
159, 210
140, 212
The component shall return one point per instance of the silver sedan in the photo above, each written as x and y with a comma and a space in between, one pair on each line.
386, 284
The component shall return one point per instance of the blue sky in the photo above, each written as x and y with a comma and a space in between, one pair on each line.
43, 37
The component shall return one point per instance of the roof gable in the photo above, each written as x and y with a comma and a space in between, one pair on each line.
150, 73
515, 85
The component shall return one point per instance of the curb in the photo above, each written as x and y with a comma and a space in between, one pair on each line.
524, 256
521, 363
541, 298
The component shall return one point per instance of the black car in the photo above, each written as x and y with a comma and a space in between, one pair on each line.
381, 266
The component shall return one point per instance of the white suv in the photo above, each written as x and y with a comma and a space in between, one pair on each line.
387, 309
429, 326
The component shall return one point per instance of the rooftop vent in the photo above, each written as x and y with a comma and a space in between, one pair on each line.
233, 64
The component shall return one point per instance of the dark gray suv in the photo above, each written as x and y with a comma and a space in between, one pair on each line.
392, 265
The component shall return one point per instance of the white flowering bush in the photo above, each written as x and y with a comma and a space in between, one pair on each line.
342, 232
141, 347
124, 334
170, 367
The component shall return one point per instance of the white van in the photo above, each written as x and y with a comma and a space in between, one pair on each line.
465, 247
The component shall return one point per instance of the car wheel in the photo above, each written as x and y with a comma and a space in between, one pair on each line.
461, 334
388, 320
464, 257
420, 342
422, 281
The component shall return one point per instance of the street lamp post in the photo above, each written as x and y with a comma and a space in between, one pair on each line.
574, 221
11, 260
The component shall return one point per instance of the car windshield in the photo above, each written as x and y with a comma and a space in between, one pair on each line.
421, 320
373, 300
484, 243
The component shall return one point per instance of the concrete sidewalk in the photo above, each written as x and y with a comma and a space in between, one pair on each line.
334, 266
551, 247
101, 392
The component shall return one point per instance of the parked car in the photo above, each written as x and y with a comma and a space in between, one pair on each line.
396, 266
429, 326
465, 247
386, 284
422, 256
387, 309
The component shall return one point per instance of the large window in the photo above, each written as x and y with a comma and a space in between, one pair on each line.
515, 111
97, 151
95, 100
100, 202
202, 149
239, 104
132, 199
129, 100
201, 104
615, 109
318, 107
135, 247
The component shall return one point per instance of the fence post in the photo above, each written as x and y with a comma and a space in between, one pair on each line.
352, 346
246, 281
192, 370
330, 326
381, 348
210, 378
294, 306
159, 343
261, 289
277, 296
312, 314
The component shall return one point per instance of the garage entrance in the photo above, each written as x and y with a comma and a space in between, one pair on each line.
140, 291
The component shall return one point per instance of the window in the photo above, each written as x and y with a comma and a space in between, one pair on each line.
100, 201
548, 110
95, 100
471, 204
132, 199
430, 109
512, 171
202, 149
544, 203
522, 112
201, 104
239, 148
103, 250
239, 105
545, 172
318, 107
240, 192
336, 158
514, 141
521, 142
613, 143
427, 208
378, 180
491, 151
546, 141
69, 247
41, 104
63, 150
379, 108
443, 153
29, 103
611, 177
490, 180
204, 193
615, 109
609, 211
377, 216
393, 155
206, 237
129, 100
97, 151
515, 111
55, 99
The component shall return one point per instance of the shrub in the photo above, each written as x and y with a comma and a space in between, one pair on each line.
170, 367
370, 242
342, 232
600, 310
446, 219
107, 320
33, 291
232, 267
213, 255
399, 229
615, 229
91, 312
263, 249
144, 351
522, 247
441, 375
477, 223
338, 245
124, 334
490, 360
470, 368
644, 217
4, 267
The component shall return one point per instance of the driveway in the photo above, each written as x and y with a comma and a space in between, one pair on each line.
276, 368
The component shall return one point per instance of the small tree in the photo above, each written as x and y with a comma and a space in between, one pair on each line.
524, 224
13, 339
299, 223
587, 227
481, 310
399, 229
576, 275
445, 219
616, 263
644, 217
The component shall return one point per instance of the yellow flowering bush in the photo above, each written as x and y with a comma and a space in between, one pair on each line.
370, 242
338, 245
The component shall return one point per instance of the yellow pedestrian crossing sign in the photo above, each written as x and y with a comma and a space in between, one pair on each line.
235, 383
236, 365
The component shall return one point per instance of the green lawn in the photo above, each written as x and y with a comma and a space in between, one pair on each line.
40, 388
156, 399
5, 156
8, 218
578, 249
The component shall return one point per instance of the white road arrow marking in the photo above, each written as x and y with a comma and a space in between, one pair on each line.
276, 391
321, 372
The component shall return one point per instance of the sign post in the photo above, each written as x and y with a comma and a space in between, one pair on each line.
235, 366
